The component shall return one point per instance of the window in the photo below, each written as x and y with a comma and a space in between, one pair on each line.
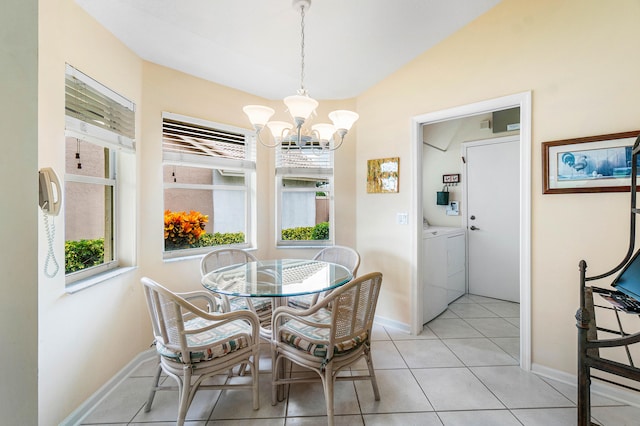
208, 175
99, 130
304, 191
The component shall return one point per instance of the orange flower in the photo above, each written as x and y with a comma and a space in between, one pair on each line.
183, 229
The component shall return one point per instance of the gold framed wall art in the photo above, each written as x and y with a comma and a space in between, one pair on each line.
383, 175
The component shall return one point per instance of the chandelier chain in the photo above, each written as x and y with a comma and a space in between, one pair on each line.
303, 90
301, 108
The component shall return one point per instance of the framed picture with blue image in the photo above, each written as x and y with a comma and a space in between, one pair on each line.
590, 164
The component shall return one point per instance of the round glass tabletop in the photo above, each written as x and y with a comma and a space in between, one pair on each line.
277, 278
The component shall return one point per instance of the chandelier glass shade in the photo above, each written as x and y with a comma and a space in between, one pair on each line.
301, 106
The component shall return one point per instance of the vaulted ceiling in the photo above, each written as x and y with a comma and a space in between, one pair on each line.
254, 45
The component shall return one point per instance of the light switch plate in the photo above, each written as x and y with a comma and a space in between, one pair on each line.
402, 218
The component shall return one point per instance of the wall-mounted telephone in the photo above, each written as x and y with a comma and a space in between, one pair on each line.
50, 201
50, 192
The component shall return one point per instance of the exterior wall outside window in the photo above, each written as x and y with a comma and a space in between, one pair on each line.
208, 169
298, 209
83, 201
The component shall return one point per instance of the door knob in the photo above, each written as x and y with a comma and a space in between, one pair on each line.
473, 228
472, 218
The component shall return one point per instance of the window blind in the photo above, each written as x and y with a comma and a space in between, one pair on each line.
308, 159
97, 113
188, 141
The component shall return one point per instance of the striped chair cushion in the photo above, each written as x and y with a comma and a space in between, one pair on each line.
219, 341
300, 336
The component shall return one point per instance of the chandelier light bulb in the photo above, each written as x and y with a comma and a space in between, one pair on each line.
325, 130
300, 106
279, 129
258, 115
343, 119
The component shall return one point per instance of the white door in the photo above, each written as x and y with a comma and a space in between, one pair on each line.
492, 217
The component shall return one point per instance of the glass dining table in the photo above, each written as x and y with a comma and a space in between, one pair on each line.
277, 278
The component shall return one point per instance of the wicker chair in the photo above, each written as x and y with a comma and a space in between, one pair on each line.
345, 256
229, 256
330, 336
194, 345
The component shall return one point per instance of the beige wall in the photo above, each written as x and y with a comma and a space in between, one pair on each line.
171, 91
87, 337
577, 58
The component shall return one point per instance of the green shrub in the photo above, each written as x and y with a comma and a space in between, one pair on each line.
305, 233
219, 239
320, 231
299, 233
83, 254
208, 240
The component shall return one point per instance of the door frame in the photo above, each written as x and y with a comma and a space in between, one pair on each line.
522, 100
464, 146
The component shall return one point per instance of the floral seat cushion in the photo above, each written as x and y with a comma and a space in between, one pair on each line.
217, 341
301, 336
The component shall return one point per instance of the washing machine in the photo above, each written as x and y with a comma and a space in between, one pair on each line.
444, 269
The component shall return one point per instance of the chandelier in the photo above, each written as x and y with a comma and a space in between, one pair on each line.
301, 106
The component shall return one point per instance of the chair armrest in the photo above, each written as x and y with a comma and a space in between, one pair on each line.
206, 296
304, 312
227, 317
221, 318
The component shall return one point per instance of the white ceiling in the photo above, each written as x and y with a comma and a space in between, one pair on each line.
254, 45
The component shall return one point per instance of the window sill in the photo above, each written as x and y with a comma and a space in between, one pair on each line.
303, 244
97, 279
183, 258
196, 253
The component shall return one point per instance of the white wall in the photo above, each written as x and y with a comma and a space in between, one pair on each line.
19, 215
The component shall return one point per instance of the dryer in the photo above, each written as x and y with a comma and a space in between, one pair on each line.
444, 269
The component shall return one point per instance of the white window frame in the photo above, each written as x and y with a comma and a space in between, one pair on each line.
111, 181
83, 94
320, 167
245, 166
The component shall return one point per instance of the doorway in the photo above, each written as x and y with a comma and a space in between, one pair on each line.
522, 100
491, 192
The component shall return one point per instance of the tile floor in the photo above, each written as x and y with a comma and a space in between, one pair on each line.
461, 370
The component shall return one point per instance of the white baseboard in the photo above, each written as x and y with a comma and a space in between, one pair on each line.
85, 408
385, 322
624, 396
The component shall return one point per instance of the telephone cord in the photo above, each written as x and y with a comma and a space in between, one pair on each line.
51, 234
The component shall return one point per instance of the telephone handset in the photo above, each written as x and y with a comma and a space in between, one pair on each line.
50, 192
50, 201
